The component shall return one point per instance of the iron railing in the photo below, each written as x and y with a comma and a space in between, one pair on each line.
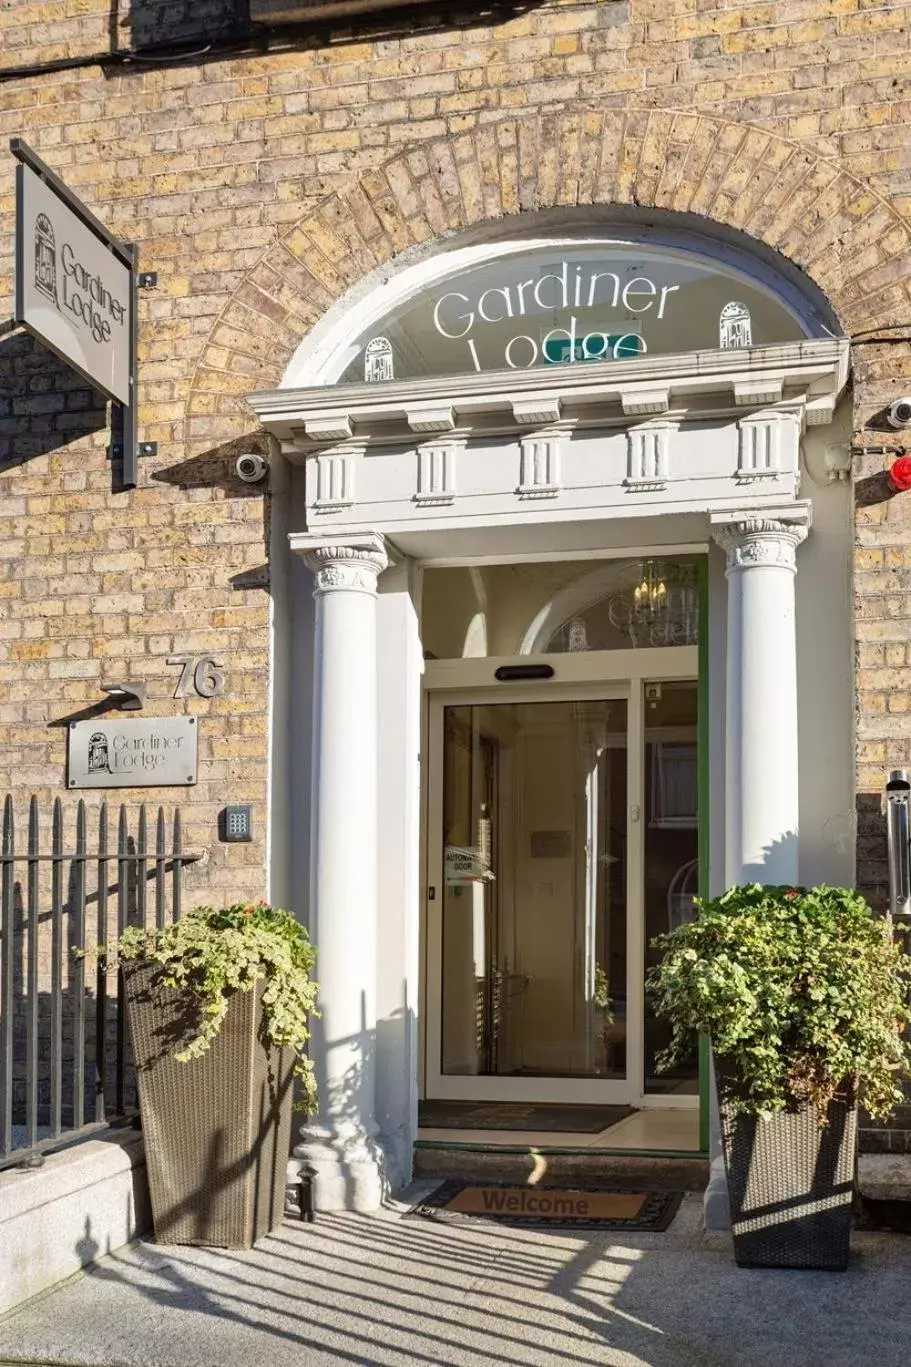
65, 1065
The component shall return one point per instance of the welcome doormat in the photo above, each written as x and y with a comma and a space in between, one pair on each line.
511, 1115
522, 1207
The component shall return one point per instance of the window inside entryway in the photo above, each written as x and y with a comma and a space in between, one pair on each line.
563, 835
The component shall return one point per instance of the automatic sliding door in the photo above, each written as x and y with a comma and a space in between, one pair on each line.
534, 904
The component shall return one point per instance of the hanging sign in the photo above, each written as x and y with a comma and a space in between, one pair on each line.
141, 752
75, 286
73, 289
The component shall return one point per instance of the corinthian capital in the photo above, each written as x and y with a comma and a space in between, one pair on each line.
753, 541
351, 566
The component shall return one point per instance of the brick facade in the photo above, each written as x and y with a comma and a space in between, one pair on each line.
266, 176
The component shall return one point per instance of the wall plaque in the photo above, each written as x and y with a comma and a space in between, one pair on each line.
140, 752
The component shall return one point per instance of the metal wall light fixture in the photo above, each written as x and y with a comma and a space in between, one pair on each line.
126, 697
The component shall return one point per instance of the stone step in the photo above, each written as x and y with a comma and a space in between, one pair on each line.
884, 1192
884, 1176
539, 1164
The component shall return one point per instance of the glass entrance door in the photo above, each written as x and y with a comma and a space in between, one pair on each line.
548, 875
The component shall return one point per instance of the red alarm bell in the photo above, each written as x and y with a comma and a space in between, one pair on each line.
900, 474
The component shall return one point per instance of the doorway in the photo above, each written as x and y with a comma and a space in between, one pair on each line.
562, 837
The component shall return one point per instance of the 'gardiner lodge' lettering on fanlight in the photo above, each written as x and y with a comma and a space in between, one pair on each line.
456, 315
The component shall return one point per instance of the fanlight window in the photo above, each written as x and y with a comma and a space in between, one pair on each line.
567, 302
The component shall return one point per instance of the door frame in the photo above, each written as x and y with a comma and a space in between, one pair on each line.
579, 677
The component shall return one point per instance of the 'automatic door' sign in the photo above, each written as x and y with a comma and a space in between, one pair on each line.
72, 290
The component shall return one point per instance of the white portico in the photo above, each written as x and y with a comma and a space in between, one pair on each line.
546, 709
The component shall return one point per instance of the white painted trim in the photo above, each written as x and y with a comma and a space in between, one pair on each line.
428, 773
433, 960
635, 890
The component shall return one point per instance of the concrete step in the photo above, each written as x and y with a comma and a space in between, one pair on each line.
481, 1162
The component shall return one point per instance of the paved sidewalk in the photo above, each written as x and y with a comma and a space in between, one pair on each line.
386, 1291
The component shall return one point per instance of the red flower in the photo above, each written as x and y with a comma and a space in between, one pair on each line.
791, 892
248, 911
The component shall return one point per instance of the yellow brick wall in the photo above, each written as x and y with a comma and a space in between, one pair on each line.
260, 184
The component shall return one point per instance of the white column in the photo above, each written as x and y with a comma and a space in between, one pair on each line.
400, 665
761, 754
339, 1144
761, 769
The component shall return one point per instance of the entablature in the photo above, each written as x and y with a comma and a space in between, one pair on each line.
805, 378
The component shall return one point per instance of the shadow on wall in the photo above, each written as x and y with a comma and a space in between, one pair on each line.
781, 854
872, 851
138, 25
44, 404
216, 468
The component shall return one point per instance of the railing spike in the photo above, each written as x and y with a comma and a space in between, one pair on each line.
8, 826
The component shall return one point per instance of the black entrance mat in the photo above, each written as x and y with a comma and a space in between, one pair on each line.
501, 1115
587, 1205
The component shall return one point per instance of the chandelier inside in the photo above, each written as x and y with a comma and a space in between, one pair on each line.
657, 604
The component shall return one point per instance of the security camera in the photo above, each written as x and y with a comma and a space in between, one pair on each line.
899, 414
252, 468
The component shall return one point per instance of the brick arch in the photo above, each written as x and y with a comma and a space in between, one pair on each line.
845, 236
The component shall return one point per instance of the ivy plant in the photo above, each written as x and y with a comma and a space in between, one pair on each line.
211, 953
801, 990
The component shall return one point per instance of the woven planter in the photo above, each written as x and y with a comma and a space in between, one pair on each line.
790, 1183
217, 1129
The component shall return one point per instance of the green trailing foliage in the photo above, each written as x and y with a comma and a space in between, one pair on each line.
212, 953
601, 995
800, 990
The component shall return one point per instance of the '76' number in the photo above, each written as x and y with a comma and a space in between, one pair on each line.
205, 674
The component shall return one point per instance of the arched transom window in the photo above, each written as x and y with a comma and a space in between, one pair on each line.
563, 301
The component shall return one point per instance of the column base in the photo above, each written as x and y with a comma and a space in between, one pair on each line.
716, 1209
347, 1171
